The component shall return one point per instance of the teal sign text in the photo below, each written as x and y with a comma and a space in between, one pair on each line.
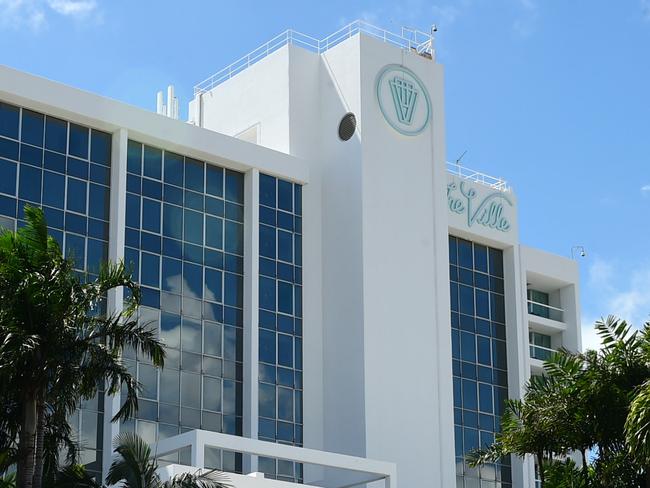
487, 211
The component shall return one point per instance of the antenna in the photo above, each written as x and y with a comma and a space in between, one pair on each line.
461, 157
171, 108
580, 250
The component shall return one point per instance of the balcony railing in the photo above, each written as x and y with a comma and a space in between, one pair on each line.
477, 177
545, 311
409, 39
540, 352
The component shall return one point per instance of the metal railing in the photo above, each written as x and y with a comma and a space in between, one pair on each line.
540, 352
545, 311
478, 177
409, 39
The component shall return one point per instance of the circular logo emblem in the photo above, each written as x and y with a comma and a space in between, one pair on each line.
403, 100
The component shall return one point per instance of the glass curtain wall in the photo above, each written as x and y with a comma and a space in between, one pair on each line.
280, 322
184, 241
63, 168
479, 358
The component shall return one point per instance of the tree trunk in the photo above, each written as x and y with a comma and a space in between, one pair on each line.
540, 461
26, 442
40, 444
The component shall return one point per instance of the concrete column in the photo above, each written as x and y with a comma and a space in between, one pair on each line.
251, 311
115, 253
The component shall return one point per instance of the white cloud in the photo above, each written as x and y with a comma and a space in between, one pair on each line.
73, 8
34, 14
616, 292
645, 188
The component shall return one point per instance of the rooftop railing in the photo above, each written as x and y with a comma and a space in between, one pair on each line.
409, 39
478, 177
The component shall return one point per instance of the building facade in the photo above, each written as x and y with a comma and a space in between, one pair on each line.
330, 291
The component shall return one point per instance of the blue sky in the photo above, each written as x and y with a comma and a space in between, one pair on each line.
552, 95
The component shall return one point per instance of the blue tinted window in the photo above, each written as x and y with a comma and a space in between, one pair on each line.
267, 241
480, 258
285, 350
53, 189
267, 400
234, 238
192, 280
7, 176
56, 134
214, 232
267, 293
213, 285
31, 155
8, 149
285, 404
150, 272
100, 147
285, 297
54, 161
9, 117
78, 144
75, 247
173, 169
172, 275
194, 200
76, 195
29, 187
102, 174
267, 190
267, 346
132, 211
97, 255
173, 221
233, 290
285, 246
214, 180
32, 128
234, 186
172, 194
285, 195
465, 258
194, 175
134, 158
77, 168
193, 227
152, 162
151, 215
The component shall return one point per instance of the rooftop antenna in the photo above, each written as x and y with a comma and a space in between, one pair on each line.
170, 109
579, 250
458, 160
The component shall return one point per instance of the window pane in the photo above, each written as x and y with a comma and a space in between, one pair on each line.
192, 280
267, 293
191, 335
194, 175
214, 232
100, 147
150, 274
213, 285
267, 400
285, 350
9, 117
267, 241
214, 180
8, 173
285, 297
98, 202
212, 339
267, 346
212, 393
76, 195
285, 195
134, 158
78, 145
193, 227
190, 390
152, 162
267, 190
151, 215
234, 238
170, 329
30, 184
233, 290
32, 128
173, 168
56, 134
234, 187
285, 404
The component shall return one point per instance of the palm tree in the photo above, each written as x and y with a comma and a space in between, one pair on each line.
57, 345
135, 468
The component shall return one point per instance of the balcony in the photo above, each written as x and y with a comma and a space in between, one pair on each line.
545, 318
541, 353
321, 468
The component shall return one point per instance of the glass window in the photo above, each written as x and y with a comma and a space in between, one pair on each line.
152, 162
267, 190
75, 247
212, 335
234, 238
170, 329
32, 128
148, 377
465, 254
99, 202
190, 390
285, 246
233, 290
31, 155
214, 232
76, 195
194, 171
285, 297
480, 258
234, 187
267, 346
133, 211
193, 227
134, 158
78, 143
285, 195
212, 393
100, 147
97, 255
267, 400
267, 241
267, 293
8, 149
8, 171
9, 117
285, 404
191, 335
214, 180
56, 134
213, 285
29, 187
150, 274
285, 350
151, 215
173, 168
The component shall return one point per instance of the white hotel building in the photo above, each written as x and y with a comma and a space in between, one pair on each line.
340, 306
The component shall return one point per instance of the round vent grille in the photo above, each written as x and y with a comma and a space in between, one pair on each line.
347, 126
